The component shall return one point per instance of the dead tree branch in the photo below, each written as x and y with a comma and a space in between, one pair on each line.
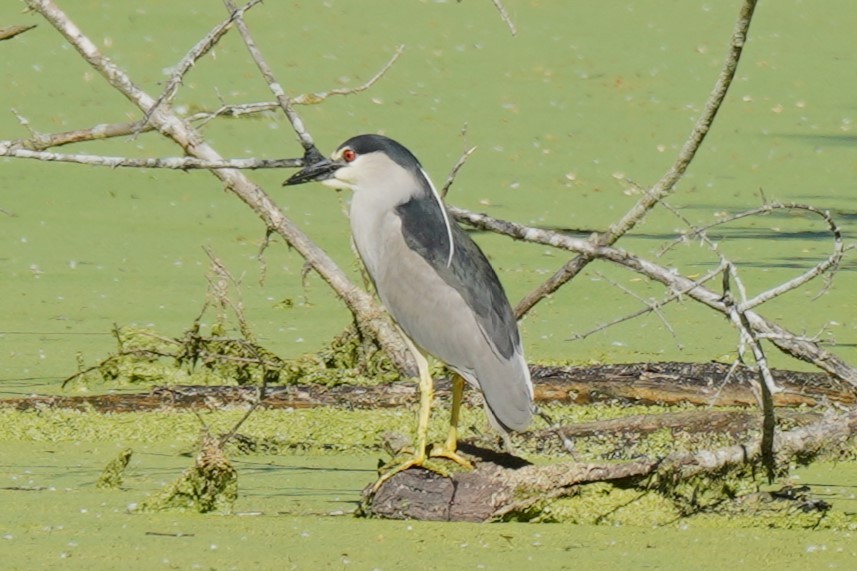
201, 48
454, 172
765, 382
668, 181
244, 109
43, 141
360, 303
505, 16
283, 100
799, 348
704, 385
9, 32
672, 296
178, 163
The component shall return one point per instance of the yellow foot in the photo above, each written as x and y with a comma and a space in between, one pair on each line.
423, 462
443, 452
414, 462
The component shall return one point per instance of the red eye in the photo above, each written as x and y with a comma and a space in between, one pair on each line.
348, 155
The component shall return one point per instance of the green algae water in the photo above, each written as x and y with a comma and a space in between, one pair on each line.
588, 94
294, 510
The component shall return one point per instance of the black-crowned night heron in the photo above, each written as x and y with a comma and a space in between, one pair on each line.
434, 280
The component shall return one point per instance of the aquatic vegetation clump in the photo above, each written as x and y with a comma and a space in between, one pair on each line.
145, 357
114, 473
350, 358
210, 485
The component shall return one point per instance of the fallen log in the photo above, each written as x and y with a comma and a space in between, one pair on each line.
505, 487
706, 384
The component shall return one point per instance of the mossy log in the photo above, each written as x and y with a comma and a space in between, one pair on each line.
504, 487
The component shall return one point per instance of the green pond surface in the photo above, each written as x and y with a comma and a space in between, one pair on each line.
294, 513
588, 94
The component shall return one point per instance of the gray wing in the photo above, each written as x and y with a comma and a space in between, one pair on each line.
458, 312
469, 272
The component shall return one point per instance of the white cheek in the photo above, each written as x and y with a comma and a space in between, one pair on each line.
338, 182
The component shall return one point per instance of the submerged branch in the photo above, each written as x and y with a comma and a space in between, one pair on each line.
700, 384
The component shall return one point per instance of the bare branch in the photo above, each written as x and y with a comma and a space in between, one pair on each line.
454, 172
42, 141
9, 32
505, 16
318, 97
650, 307
180, 163
282, 99
668, 181
767, 386
303, 99
799, 348
831, 263
201, 48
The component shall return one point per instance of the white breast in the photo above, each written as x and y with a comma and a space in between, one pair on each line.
374, 224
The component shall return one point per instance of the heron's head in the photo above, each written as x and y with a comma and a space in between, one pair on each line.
367, 162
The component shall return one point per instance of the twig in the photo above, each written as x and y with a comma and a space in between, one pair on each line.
505, 16
650, 307
24, 122
668, 181
282, 99
201, 48
454, 172
767, 386
830, 264
9, 32
672, 296
225, 278
41, 141
242, 109
220, 292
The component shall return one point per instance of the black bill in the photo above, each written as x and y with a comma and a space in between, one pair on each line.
323, 169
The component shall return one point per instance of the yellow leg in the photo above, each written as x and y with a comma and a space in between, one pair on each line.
450, 447
457, 396
426, 396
